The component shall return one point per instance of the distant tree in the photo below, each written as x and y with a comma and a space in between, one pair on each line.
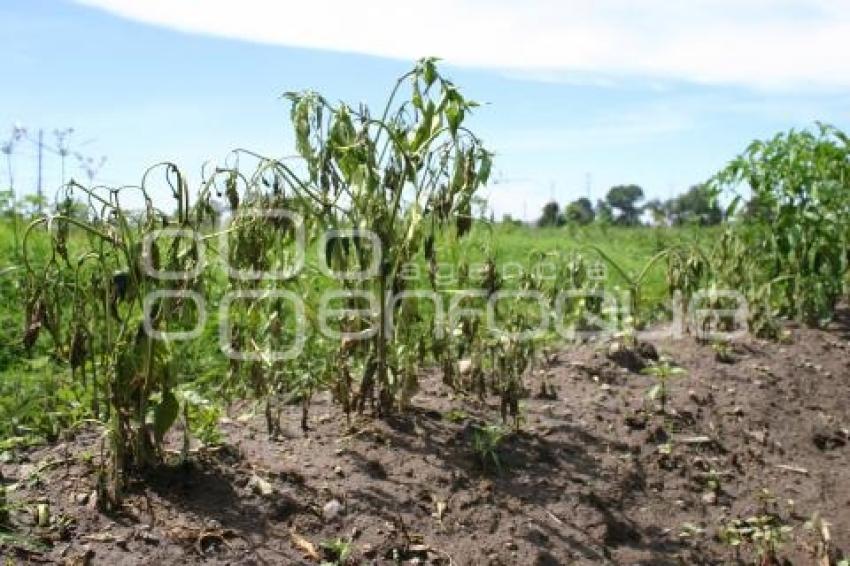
31, 205
658, 211
580, 212
509, 220
480, 204
604, 214
758, 208
551, 215
696, 206
7, 202
624, 200
72, 208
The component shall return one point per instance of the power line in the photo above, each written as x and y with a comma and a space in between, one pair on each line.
24, 147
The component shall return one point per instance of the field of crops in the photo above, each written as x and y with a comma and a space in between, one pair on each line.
333, 359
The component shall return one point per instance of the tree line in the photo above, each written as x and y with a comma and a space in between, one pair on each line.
623, 206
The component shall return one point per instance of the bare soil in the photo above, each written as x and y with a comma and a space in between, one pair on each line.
595, 475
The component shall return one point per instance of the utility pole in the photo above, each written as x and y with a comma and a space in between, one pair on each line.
39, 186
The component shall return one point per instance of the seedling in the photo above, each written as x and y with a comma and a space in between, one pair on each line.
662, 371
723, 352
765, 534
712, 481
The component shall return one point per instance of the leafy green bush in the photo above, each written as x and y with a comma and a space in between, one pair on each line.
791, 245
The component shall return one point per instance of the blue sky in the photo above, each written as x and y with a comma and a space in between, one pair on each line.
576, 91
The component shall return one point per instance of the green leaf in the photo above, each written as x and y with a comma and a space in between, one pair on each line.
425, 127
416, 97
486, 163
454, 115
733, 206
429, 72
414, 221
165, 414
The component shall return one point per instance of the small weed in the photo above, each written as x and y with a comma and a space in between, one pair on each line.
456, 416
764, 533
690, 530
30, 544
723, 352
86, 457
337, 552
712, 481
485, 443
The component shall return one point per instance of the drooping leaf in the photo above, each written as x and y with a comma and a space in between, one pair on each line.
165, 414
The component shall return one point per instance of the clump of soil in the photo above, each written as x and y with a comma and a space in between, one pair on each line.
595, 475
634, 359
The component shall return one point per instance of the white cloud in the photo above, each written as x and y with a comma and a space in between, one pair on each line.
761, 43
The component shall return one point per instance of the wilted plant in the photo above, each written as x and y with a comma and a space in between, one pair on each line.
94, 308
404, 174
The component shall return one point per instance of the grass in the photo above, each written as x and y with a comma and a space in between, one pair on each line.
629, 247
37, 397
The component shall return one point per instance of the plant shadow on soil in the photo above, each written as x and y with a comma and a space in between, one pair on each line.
527, 460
